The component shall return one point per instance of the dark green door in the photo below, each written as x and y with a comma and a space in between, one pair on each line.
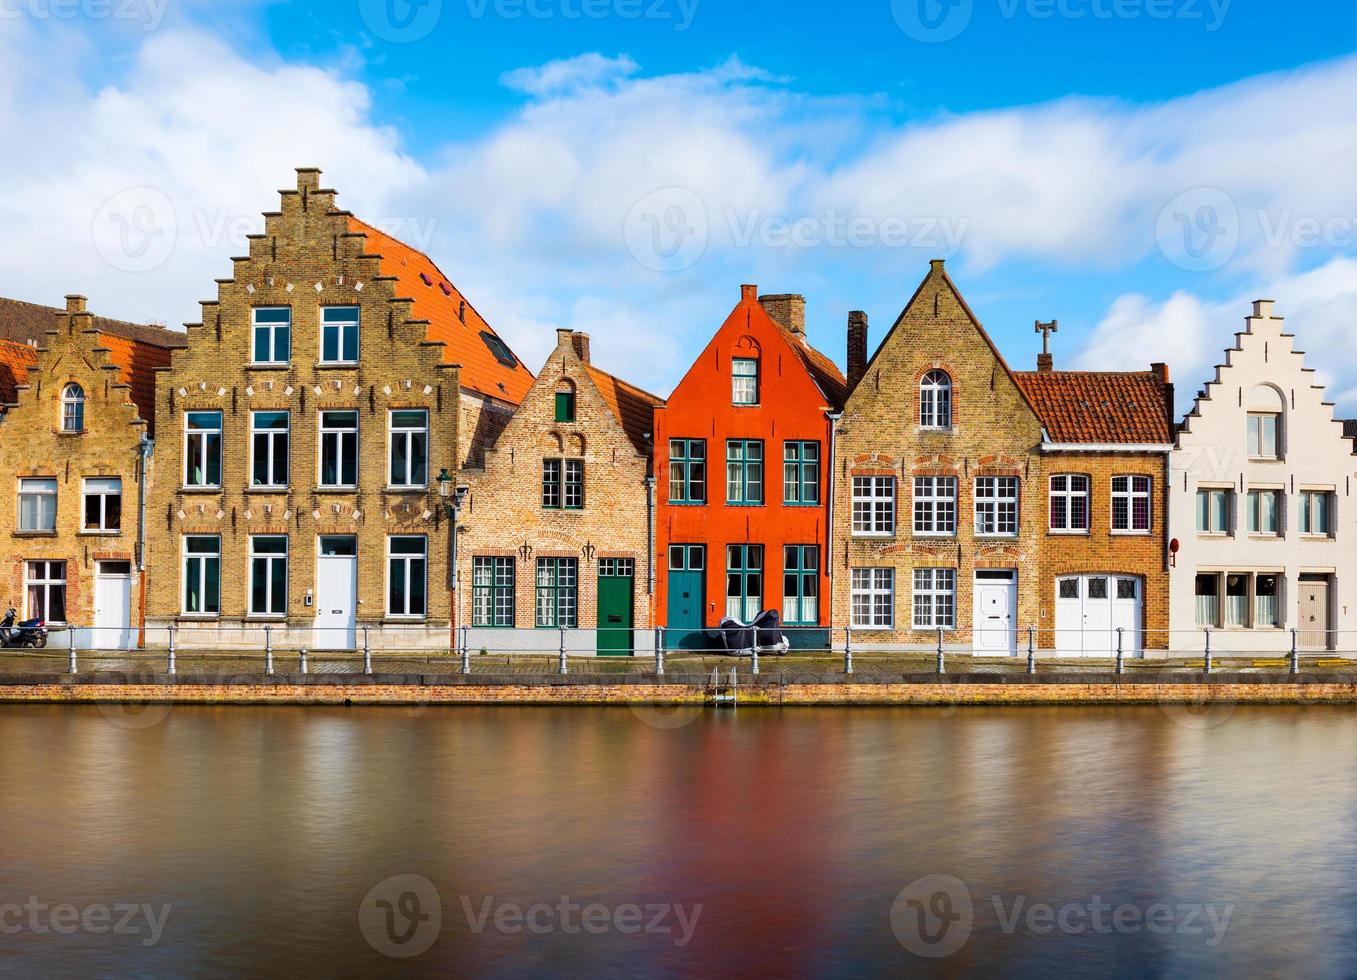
616, 577
687, 597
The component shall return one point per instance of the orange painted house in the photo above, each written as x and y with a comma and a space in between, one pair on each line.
743, 450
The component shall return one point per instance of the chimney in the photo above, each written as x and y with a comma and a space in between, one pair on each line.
749, 294
788, 309
857, 347
580, 341
1161, 371
563, 338
1045, 362
75, 303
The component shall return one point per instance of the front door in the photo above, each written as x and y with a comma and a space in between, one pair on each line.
996, 613
687, 597
336, 594
1089, 609
616, 578
1315, 632
112, 606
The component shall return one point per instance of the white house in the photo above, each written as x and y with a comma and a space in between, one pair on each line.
1261, 507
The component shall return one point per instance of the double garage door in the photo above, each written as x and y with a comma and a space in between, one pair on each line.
1090, 608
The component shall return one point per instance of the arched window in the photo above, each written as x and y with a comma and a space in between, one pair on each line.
73, 409
1267, 407
935, 401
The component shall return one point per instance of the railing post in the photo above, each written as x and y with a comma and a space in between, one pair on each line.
1295, 653
305, 668
268, 650
942, 656
173, 629
367, 653
754, 660
70, 630
659, 651
466, 649
564, 667
1206, 658
1031, 649
1121, 650
848, 649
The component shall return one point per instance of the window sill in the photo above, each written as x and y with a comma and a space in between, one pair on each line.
1214, 535
337, 365
926, 536
335, 490
996, 537
734, 503
870, 536
199, 617
69, 434
200, 490
1069, 534
1317, 537
800, 506
35, 534
413, 489
1132, 534
929, 430
404, 620
117, 533
268, 367
1253, 536
687, 503
1267, 459
267, 619
275, 491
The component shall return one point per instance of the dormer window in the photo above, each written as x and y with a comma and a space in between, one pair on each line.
73, 409
744, 381
935, 401
498, 349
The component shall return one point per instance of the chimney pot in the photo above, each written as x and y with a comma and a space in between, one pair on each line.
580, 341
788, 309
857, 347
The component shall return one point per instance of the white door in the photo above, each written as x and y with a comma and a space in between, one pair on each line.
336, 594
1088, 611
112, 606
996, 613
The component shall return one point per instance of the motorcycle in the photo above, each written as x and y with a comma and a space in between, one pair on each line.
29, 633
764, 634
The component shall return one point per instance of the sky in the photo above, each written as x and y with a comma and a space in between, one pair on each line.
1138, 170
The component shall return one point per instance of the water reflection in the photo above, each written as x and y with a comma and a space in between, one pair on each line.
793, 830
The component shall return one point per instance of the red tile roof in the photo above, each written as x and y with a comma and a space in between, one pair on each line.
460, 328
823, 370
634, 408
1101, 408
15, 360
137, 362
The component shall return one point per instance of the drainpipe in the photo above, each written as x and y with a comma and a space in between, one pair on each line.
650, 543
829, 517
145, 447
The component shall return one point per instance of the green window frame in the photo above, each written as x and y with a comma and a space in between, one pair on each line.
558, 593
492, 592
801, 473
562, 484
744, 581
687, 471
744, 472
801, 584
565, 406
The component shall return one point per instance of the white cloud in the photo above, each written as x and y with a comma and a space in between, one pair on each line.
570, 73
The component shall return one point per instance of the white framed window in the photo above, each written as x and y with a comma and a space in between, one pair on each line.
339, 335
1131, 504
1263, 435
409, 447
103, 504
272, 340
996, 506
1213, 511
874, 506
73, 408
202, 449
38, 505
407, 574
202, 575
1208, 599
935, 598
1239, 600
338, 450
935, 506
45, 590
269, 446
1070, 494
268, 575
935, 401
1265, 512
744, 381
873, 598
1316, 513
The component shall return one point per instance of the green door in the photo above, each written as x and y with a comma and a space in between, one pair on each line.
615, 580
687, 597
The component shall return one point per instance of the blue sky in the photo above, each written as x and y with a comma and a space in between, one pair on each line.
1138, 169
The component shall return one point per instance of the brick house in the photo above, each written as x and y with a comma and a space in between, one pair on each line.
1105, 442
302, 433
557, 526
78, 411
938, 507
758, 396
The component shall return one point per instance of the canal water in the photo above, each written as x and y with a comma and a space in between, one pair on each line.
611, 842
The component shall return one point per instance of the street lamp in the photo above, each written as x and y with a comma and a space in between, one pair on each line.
453, 497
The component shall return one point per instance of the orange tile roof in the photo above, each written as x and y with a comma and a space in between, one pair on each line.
634, 408
437, 300
821, 367
15, 360
137, 362
1101, 408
